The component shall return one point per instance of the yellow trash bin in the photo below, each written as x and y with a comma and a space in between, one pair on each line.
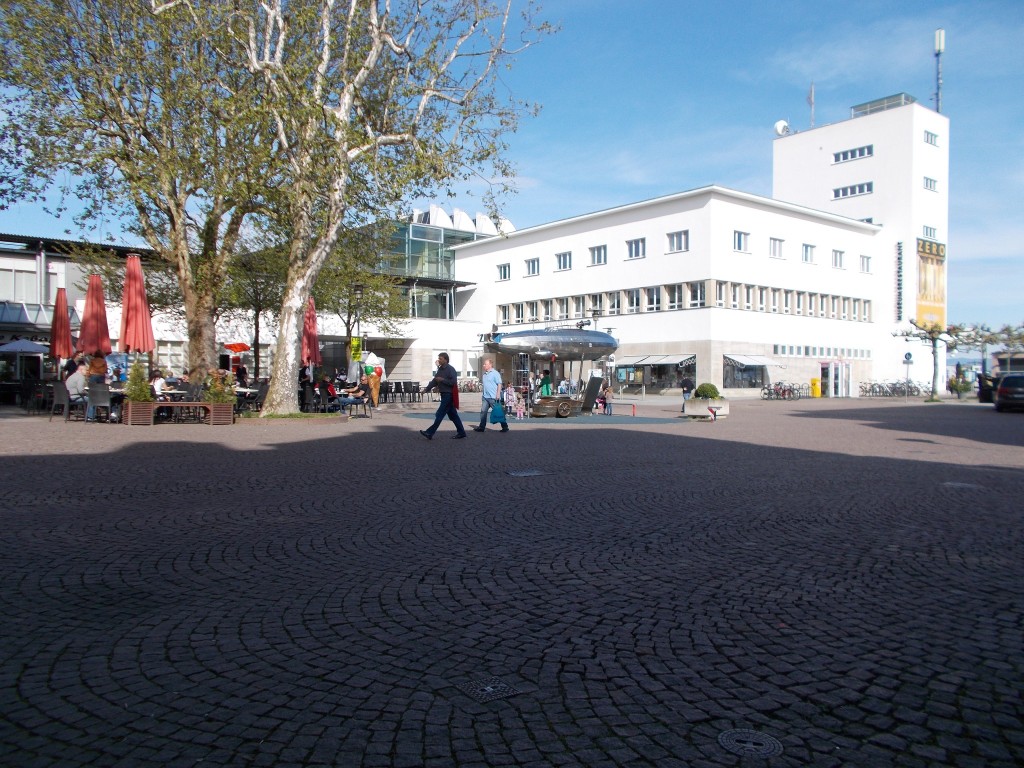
815, 387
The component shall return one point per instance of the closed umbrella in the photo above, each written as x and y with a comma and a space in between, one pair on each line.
136, 322
60, 328
310, 341
93, 335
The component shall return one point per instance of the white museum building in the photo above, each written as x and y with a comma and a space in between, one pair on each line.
740, 289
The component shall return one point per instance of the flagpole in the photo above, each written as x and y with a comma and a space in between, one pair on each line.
810, 100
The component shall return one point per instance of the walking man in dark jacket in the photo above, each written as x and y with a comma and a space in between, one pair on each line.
446, 380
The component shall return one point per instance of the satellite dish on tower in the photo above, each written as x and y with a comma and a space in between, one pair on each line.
781, 128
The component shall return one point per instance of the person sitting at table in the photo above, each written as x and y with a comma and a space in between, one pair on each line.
158, 384
97, 368
356, 395
76, 384
242, 376
72, 364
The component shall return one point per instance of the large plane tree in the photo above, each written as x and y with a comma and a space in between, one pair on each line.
189, 119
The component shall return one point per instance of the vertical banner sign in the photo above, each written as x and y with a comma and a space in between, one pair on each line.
899, 281
931, 282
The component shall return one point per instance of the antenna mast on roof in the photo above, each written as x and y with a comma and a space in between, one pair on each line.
940, 46
810, 101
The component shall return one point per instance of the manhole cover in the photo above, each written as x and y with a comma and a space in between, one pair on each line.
750, 743
527, 472
488, 690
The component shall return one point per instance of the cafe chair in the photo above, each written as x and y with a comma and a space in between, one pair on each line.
62, 400
99, 398
326, 401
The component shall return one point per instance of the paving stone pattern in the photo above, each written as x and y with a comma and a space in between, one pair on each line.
846, 578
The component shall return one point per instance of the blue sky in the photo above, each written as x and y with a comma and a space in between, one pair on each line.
642, 98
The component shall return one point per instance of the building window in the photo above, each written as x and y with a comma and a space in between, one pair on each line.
503, 314
837, 259
834, 310
532, 267
762, 298
799, 303
598, 255
720, 294
748, 297
734, 296
930, 233
931, 184
504, 271
632, 301
679, 241
787, 297
563, 309
675, 296
697, 298
741, 241
822, 306
653, 299
865, 188
846, 308
856, 310
853, 154
931, 138
578, 303
563, 261
546, 307
614, 303
775, 300
531, 311
597, 303
636, 249
775, 248
865, 263
807, 254
867, 311
517, 312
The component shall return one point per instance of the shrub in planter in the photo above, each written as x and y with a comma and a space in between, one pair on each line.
219, 388
136, 389
707, 391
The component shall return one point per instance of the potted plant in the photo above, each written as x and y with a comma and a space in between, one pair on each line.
959, 386
220, 394
704, 397
138, 397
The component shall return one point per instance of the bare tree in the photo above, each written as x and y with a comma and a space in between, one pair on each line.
935, 334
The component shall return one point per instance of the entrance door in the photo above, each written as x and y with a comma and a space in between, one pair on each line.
835, 379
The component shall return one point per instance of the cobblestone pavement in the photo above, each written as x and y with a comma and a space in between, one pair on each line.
820, 583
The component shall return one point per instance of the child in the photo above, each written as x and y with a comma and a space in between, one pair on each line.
520, 406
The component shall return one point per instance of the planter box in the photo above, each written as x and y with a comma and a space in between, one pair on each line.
138, 414
697, 408
221, 414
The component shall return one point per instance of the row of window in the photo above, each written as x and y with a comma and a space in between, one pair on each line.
864, 188
853, 154
635, 249
691, 295
802, 350
788, 302
776, 250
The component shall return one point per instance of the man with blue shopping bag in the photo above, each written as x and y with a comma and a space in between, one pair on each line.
491, 398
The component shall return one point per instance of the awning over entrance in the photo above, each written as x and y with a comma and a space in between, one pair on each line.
674, 359
629, 361
750, 361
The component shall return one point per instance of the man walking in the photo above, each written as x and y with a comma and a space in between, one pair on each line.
446, 380
491, 381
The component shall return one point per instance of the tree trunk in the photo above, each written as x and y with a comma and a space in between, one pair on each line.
935, 368
282, 397
256, 346
202, 336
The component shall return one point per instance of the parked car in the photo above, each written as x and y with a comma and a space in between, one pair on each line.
1009, 392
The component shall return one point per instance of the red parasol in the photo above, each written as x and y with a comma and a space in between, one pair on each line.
237, 347
93, 334
136, 322
310, 342
60, 327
